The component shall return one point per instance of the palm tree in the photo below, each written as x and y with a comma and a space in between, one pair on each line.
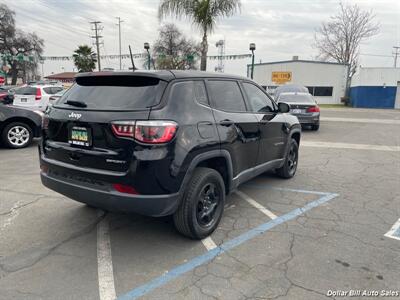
203, 13
84, 58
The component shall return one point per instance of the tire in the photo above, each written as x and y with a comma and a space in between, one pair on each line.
17, 135
288, 170
193, 219
315, 127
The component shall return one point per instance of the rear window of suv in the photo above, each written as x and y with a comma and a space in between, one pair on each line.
114, 92
27, 90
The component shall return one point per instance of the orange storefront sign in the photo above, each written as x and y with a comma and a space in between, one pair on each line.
281, 77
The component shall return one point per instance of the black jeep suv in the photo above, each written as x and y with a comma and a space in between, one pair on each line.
164, 143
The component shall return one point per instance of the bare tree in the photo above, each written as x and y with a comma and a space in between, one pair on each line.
340, 38
16, 43
173, 51
28, 45
203, 13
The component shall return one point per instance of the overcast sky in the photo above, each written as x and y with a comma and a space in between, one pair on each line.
280, 28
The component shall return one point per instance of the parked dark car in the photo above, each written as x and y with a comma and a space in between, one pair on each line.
7, 94
18, 126
304, 107
165, 143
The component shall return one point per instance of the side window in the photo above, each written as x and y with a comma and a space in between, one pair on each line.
182, 91
200, 92
258, 101
55, 90
226, 95
48, 90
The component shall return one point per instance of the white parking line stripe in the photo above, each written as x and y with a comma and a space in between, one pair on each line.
209, 243
391, 232
104, 262
361, 120
256, 205
349, 146
14, 212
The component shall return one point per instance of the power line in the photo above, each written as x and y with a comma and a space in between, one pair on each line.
379, 55
97, 29
40, 20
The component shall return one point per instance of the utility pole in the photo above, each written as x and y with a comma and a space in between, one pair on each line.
133, 63
97, 28
119, 31
396, 53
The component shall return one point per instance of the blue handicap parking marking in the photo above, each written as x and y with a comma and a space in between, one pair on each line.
179, 270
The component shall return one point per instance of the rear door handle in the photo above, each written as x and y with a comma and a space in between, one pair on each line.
226, 122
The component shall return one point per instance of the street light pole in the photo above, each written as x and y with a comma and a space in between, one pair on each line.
119, 34
147, 47
252, 47
42, 63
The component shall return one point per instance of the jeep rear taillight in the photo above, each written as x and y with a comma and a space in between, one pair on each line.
155, 132
148, 132
124, 128
45, 122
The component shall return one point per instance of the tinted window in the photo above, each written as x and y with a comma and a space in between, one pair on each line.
115, 92
200, 92
226, 95
304, 98
259, 102
27, 90
188, 91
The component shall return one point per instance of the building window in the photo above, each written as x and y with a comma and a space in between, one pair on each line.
321, 91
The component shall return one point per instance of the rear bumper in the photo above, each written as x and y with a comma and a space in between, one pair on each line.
149, 205
311, 119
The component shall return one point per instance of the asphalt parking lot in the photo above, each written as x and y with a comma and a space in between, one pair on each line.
304, 238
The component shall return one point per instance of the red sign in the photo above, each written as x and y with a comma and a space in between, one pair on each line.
2, 80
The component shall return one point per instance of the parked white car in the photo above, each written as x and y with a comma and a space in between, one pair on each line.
35, 96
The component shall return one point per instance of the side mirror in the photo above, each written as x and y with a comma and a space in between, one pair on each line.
283, 107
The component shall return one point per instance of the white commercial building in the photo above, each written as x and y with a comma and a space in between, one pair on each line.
325, 80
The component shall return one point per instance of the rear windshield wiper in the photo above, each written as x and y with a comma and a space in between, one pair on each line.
76, 103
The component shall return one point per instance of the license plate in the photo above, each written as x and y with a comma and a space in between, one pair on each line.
296, 111
80, 136
24, 100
